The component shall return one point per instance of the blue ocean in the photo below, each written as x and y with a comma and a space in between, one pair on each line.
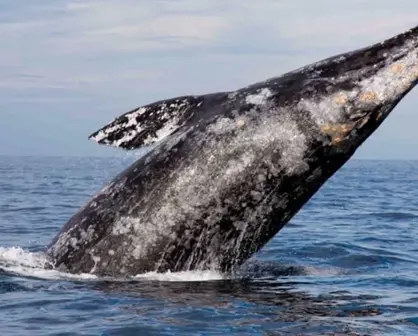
346, 264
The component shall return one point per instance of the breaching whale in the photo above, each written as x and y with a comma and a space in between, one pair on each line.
228, 170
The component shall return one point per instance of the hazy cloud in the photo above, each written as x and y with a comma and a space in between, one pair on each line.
81, 63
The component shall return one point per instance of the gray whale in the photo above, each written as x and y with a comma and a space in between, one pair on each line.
228, 170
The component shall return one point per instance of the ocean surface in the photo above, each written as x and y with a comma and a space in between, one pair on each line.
347, 264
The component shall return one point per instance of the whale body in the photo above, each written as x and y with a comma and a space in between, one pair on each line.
228, 170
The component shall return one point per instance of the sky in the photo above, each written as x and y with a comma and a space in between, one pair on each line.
69, 67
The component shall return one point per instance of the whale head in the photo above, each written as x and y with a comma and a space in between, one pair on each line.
348, 96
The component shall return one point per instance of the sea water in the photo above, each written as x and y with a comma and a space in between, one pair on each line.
346, 264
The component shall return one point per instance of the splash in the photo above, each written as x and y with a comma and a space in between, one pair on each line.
20, 262
17, 256
188, 276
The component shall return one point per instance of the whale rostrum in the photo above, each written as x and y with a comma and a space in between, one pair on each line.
228, 170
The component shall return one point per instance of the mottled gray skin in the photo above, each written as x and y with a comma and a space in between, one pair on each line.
226, 181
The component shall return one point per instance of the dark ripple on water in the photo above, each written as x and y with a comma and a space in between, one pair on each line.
345, 265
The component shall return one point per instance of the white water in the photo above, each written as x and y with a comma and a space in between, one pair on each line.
24, 263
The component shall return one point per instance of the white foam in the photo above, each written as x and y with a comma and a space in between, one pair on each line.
323, 272
24, 263
31, 264
189, 276
16, 255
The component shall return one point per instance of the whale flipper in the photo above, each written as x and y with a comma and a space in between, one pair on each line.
147, 124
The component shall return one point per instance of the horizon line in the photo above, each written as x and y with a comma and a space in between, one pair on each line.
135, 155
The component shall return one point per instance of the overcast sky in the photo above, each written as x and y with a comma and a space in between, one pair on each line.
69, 67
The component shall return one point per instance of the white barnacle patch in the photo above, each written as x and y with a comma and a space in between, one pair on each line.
96, 261
240, 123
122, 226
68, 239
61, 243
163, 132
162, 117
232, 95
222, 126
138, 235
86, 236
132, 117
382, 87
294, 147
237, 166
323, 110
224, 160
103, 134
259, 98
73, 242
130, 135
393, 79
